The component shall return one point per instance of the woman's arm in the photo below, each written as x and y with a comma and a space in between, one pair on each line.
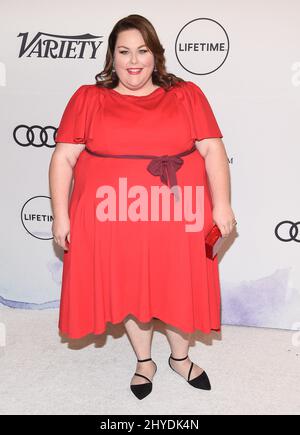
61, 167
217, 168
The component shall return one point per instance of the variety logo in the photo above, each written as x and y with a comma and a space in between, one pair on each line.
202, 46
35, 135
46, 45
36, 216
287, 231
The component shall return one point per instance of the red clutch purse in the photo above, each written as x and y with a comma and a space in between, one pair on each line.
213, 241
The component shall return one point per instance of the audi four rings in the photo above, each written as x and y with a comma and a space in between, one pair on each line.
287, 231
35, 135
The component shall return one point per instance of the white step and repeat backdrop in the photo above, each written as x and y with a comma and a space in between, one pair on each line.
252, 80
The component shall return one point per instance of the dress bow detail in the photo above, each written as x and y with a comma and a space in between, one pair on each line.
166, 167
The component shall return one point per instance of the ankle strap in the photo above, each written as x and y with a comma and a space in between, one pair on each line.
142, 360
178, 359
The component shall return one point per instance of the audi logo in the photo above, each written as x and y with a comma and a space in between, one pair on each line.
35, 135
286, 231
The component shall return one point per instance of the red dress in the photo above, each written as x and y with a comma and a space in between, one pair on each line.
147, 268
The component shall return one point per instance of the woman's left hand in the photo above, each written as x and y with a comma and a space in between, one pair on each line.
223, 216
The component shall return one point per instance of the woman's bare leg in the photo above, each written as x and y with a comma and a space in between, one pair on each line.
179, 344
140, 336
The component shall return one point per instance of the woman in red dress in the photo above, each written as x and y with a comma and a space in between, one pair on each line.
136, 141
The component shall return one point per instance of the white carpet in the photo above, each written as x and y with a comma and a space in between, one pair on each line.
252, 371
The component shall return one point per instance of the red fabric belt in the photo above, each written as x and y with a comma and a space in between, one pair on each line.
164, 166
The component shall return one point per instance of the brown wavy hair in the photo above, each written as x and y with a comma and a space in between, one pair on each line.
109, 79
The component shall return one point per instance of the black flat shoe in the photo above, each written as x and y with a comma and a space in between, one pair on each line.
200, 381
142, 390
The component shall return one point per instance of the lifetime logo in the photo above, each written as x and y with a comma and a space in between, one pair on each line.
202, 46
49, 46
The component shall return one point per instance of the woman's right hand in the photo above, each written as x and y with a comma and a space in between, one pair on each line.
61, 231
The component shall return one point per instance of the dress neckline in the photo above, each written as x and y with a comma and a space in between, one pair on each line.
158, 90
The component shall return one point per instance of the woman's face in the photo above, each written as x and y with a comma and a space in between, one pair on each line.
133, 61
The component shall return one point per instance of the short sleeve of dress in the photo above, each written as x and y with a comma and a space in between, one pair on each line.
204, 123
72, 127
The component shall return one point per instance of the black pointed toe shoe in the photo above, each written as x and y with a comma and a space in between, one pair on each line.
201, 381
142, 390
